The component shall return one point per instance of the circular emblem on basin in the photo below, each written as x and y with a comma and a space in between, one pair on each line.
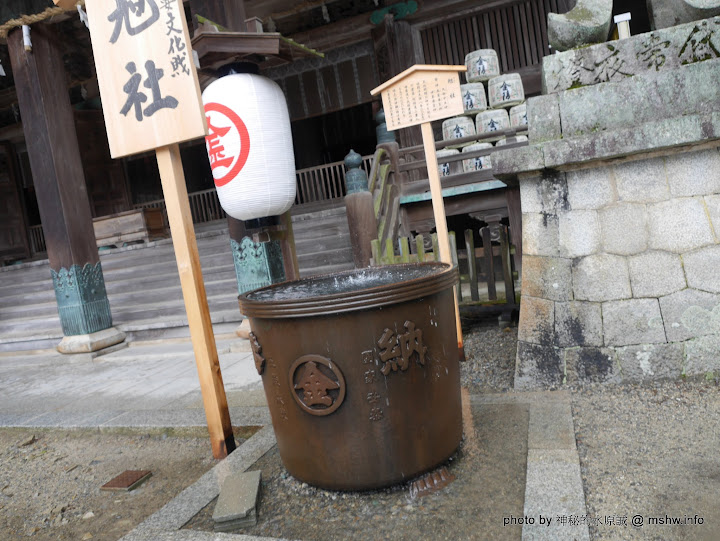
317, 384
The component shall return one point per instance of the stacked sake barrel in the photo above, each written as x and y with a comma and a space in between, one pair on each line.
493, 109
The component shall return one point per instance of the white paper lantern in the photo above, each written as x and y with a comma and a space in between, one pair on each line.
249, 145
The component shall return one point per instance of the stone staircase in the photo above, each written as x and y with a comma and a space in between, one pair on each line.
143, 285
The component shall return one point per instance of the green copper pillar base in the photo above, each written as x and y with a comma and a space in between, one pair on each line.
82, 300
257, 264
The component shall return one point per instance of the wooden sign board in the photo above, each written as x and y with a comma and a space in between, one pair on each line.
422, 93
148, 83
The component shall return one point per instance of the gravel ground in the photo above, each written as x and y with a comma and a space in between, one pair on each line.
650, 451
490, 353
50, 480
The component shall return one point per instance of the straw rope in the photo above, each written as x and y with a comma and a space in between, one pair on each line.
32, 19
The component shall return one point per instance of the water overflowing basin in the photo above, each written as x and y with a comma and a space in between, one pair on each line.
360, 371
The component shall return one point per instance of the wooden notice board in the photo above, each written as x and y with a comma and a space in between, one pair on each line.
149, 87
422, 93
151, 100
419, 95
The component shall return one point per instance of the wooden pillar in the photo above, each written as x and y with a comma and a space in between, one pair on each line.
57, 171
360, 212
395, 52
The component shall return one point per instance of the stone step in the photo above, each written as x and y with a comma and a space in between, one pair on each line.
325, 257
325, 269
143, 294
116, 286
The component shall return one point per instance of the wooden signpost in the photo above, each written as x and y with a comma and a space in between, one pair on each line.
151, 100
419, 95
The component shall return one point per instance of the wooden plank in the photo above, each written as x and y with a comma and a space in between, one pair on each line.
472, 265
542, 21
521, 24
489, 263
193, 288
454, 254
527, 22
507, 268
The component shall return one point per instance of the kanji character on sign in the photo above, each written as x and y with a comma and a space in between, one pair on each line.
126, 11
136, 98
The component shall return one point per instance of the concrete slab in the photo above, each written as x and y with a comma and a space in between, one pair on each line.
551, 427
554, 492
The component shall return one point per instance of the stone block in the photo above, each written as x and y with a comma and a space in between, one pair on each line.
547, 277
538, 367
679, 225
702, 269
624, 229
668, 13
625, 141
642, 181
712, 203
579, 233
546, 193
650, 361
601, 277
588, 22
543, 113
633, 321
578, 324
648, 54
690, 313
540, 234
694, 173
654, 274
506, 164
536, 323
591, 365
591, 188
237, 502
701, 355
613, 105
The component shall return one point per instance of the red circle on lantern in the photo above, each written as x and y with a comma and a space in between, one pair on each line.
242, 130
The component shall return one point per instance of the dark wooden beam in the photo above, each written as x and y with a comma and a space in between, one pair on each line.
53, 150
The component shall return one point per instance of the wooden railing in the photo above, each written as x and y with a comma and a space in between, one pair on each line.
324, 182
479, 275
37, 239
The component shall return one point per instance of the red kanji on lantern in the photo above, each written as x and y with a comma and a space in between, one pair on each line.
228, 142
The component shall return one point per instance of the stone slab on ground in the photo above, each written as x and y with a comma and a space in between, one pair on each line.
236, 505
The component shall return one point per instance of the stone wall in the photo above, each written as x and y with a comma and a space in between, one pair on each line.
620, 194
621, 271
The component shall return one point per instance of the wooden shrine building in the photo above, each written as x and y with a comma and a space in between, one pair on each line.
56, 173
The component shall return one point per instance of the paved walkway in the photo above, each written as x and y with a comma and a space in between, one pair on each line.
144, 385
155, 386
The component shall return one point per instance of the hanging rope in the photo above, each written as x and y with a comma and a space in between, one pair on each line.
32, 19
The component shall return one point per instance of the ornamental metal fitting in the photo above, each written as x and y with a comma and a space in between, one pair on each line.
356, 179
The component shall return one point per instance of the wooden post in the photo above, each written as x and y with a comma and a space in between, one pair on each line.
193, 288
440, 219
